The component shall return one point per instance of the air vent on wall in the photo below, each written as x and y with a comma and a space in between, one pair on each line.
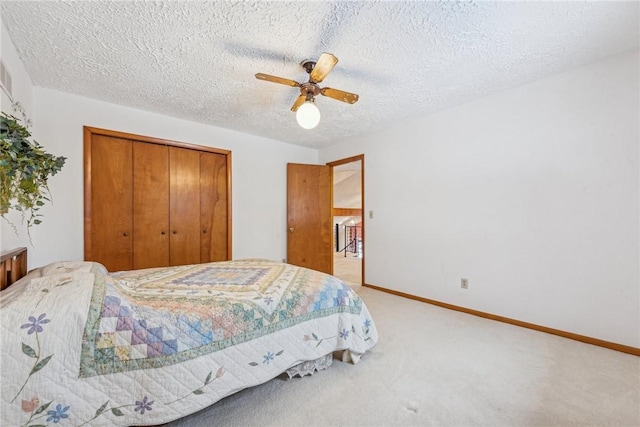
5, 79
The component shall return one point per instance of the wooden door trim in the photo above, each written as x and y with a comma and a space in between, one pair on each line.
347, 212
347, 160
153, 140
229, 217
342, 162
89, 131
88, 243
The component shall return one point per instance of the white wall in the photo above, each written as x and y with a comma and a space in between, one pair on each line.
21, 82
22, 93
258, 174
532, 194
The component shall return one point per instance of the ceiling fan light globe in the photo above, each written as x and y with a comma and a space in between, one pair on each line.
308, 115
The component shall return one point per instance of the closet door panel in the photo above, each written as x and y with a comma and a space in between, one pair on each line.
184, 201
150, 205
111, 202
213, 207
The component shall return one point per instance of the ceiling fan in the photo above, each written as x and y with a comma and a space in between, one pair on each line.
307, 113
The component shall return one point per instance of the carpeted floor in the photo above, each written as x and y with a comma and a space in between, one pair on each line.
437, 367
347, 268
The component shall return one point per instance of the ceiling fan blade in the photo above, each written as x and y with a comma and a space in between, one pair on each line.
325, 64
275, 79
340, 95
299, 101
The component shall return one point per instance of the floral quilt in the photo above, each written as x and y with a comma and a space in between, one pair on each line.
81, 346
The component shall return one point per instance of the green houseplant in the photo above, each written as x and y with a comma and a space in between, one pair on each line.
24, 170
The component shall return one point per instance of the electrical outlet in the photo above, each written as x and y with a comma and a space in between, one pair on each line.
464, 283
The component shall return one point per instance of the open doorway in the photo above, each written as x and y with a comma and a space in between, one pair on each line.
348, 232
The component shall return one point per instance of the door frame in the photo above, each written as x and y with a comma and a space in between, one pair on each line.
352, 159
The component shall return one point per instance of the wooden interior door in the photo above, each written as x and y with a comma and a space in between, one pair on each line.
213, 208
309, 231
108, 202
150, 205
184, 204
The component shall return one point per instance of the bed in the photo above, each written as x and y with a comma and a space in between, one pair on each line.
84, 346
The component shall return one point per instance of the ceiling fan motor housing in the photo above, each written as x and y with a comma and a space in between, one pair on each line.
310, 89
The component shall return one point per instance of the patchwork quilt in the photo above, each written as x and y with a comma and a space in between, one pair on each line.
81, 346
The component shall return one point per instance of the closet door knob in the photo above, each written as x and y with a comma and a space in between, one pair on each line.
163, 232
204, 231
291, 230
175, 232
125, 234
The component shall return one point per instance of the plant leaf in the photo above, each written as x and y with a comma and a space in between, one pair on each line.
29, 351
25, 168
279, 353
42, 408
253, 364
117, 412
198, 391
41, 364
208, 380
102, 408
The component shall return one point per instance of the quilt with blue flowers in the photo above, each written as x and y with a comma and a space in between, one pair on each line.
84, 346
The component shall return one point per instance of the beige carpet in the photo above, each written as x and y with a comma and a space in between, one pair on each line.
436, 367
347, 268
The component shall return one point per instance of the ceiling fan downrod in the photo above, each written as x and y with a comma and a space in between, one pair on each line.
308, 65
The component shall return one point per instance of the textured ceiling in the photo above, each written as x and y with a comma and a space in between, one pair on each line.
196, 60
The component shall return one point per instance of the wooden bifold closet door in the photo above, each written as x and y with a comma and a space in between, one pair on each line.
111, 203
150, 205
154, 203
